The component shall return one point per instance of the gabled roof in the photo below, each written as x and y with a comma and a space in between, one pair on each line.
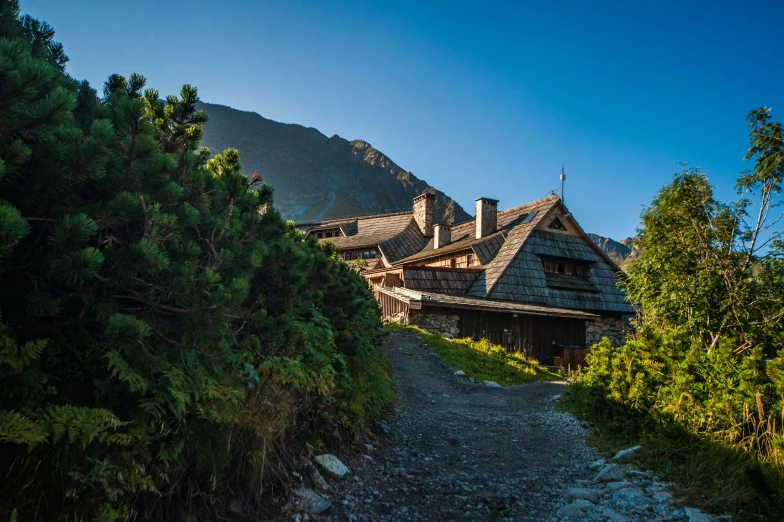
391, 232
404, 243
511, 268
326, 223
464, 234
517, 236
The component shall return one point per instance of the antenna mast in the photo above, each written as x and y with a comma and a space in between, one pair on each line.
563, 178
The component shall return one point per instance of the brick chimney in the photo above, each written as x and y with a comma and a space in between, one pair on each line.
442, 235
425, 213
486, 216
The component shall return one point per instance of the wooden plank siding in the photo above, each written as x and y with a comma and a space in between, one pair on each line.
539, 337
390, 306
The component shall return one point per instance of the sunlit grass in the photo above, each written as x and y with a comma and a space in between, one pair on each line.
482, 359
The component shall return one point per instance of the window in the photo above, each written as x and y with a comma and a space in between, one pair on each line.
575, 267
327, 234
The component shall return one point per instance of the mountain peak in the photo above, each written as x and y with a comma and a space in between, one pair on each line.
316, 177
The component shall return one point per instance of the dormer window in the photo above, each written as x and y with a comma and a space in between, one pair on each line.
568, 274
560, 265
326, 233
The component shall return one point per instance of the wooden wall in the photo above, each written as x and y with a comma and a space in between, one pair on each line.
539, 337
390, 306
460, 259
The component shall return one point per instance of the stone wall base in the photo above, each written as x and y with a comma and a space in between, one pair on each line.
610, 327
434, 323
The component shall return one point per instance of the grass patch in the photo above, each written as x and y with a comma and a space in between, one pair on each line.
482, 360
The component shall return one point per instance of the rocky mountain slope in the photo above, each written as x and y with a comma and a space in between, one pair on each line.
619, 251
316, 177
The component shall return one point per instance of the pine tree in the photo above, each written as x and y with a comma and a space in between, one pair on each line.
154, 325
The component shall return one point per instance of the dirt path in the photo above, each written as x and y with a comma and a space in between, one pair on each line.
463, 451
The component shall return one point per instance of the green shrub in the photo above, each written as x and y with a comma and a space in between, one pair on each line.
164, 345
710, 419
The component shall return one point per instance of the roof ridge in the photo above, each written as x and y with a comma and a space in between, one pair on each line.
513, 209
349, 218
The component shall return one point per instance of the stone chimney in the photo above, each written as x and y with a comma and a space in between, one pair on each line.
486, 216
442, 235
425, 213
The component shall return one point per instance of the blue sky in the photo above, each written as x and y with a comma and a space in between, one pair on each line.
477, 98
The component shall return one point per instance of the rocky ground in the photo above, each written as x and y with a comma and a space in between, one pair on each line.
457, 450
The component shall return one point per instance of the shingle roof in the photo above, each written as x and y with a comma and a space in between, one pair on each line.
337, 221
464, 234
403, 244
512, 271
516, 238
525, 280
374, 231
458, 301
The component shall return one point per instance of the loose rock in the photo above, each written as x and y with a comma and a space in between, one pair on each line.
310, 501
695, 515
615, 486
610, 473
570, 511
332, 465
492, 384
627, 454
592, 495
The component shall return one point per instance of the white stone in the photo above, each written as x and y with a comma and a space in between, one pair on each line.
632, 496
569, 511
610, 473
492, 384
598, 464
332, 465
592, 495
615, 486
586, 504
613, 516
627, 454
318, 481
310, 501
695, 515
459, 373
662, 497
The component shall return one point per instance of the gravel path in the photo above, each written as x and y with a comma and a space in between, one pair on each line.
463, 451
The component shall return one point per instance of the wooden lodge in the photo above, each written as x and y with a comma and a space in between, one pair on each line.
527, 278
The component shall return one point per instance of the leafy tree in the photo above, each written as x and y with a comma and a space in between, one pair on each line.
715, 269
158, 334
703, 375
